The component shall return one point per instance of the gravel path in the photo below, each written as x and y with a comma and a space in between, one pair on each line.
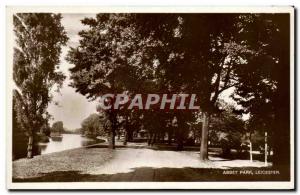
126, 164
127, 160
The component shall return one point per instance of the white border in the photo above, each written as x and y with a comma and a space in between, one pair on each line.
10, 10
152, 9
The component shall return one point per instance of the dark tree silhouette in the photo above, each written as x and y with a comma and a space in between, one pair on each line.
264, 88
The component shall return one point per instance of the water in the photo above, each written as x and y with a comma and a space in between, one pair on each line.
68, 141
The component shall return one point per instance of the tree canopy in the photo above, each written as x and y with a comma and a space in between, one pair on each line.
205, 54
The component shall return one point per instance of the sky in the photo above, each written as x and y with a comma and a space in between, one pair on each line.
73, 107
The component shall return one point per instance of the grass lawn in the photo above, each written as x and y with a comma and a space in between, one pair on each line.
80, 159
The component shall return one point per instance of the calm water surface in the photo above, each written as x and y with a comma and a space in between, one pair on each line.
68, 141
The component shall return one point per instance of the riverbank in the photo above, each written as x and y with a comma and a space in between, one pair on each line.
98, 163
79, 159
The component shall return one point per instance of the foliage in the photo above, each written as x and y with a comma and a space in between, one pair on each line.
227, 129
39, 37
19, 140
57, 127
205, 54
46, 129
265, 79
93, 126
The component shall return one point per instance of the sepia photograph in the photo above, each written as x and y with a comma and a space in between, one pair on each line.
150, 98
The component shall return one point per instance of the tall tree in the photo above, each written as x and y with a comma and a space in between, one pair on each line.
201, 60
101, 60
39, 37
265, 79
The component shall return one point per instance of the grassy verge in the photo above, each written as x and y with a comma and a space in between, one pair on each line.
80, 160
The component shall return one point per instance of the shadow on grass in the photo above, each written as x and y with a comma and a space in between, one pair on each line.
164, 175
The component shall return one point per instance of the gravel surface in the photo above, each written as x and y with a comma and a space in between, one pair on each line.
80, 159
103, 161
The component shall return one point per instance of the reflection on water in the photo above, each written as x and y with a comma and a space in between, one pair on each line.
67, 141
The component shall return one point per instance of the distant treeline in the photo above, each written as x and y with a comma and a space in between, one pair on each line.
76, 131
58, 128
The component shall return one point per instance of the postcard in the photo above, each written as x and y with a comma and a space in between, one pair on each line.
150, 97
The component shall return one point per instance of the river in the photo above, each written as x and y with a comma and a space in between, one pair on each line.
68, 141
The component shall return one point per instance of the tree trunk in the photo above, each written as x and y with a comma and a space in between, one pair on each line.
204, 138
119, 135
112, 139
128, 131
179, 144
250, 152
125, 138
179, 138
250, 147
226, 152
149, 138
112, 128
282, 128
266, 149
162, 138
169, 137
281, 156
129, 135
30, 147
153, 140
